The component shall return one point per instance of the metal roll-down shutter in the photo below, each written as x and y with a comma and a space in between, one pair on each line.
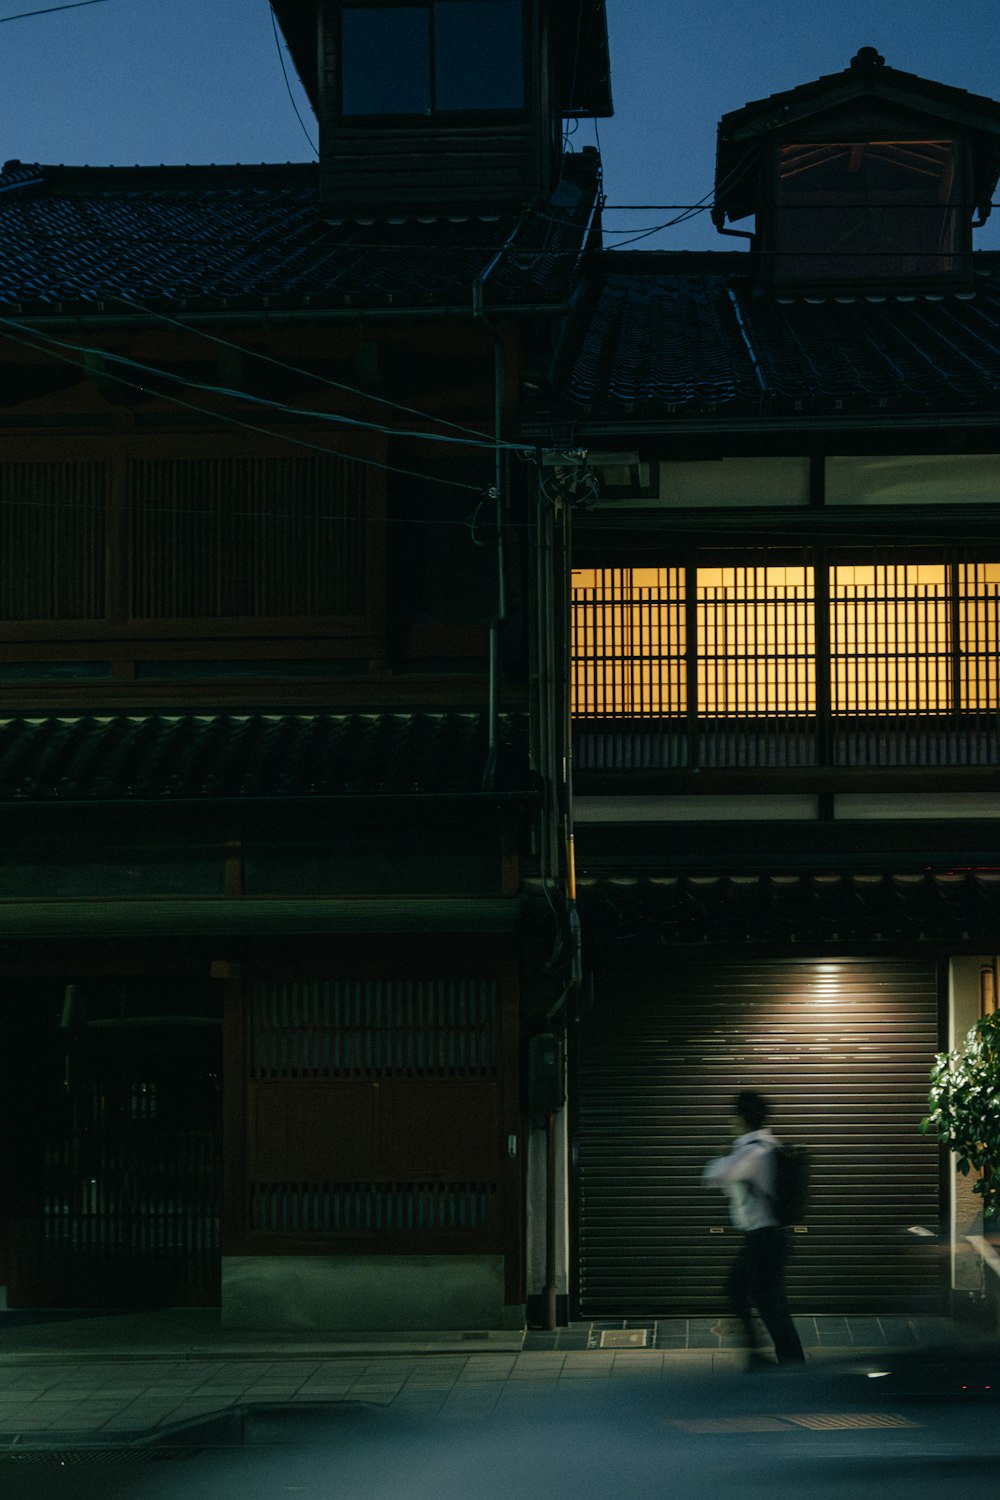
841, 1048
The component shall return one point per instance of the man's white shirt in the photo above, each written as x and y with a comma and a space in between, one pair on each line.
746, 1176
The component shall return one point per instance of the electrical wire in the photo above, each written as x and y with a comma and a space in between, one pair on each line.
284, 73
336, 418
470, 523
51, 9
526, 260
282, 364
42, 348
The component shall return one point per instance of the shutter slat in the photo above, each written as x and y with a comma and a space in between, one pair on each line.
841, 1049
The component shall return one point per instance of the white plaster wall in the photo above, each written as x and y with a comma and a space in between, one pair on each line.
966, 1214
787, 808
536, 1209
914, 479
880, 807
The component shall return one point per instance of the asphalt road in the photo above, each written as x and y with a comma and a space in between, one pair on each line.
921, 1426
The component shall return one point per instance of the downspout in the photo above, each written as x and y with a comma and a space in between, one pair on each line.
496, 494
545, 657
547, 747
575, 978
566, 750
499, 399
550, 1294
557, 697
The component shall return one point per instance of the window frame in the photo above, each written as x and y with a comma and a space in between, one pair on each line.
432, 114
781, 262
945, 623
116, 644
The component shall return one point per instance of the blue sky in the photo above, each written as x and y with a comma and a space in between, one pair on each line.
129, 81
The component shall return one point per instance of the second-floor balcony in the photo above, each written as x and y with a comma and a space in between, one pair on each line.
834, 658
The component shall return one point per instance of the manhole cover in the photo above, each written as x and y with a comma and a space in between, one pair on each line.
624, 1338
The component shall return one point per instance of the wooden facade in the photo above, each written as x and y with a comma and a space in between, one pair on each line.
345, 751
781, 572
165, 568
268, 794
470, 160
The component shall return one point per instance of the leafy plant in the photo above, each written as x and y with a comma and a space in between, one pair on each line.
964, 1111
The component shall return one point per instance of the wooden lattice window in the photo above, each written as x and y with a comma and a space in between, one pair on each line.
891, 646
756, 642
978, 628
906, 639
374, 1110
629, 642
53, 541
374, 1028
247, 537
373, 1208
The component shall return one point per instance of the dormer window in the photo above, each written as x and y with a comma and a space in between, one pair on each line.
431, 57
870, 178
880, 210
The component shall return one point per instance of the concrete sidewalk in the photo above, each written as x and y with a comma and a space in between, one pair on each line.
101, 1380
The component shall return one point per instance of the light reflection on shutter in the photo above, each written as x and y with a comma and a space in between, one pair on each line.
841, 1048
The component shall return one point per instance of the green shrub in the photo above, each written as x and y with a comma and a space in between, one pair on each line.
964, 1107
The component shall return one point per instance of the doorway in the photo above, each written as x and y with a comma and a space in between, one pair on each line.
117, 1136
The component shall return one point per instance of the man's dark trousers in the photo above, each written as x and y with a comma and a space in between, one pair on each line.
757, 1280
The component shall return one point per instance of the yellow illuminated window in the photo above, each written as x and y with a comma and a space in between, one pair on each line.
890, 639
978, 635
905, 640
629, 642
756, 642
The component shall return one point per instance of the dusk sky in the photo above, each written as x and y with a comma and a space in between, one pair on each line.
125, 81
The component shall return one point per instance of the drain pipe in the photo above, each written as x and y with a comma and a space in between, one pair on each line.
497, 495
559, 783
551, 1308
545, 657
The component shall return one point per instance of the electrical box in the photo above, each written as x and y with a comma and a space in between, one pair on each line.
546, 1075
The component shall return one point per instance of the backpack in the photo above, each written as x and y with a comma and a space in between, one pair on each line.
792, 1171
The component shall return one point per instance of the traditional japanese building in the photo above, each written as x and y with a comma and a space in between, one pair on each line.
267, 780
435, 647
780, 465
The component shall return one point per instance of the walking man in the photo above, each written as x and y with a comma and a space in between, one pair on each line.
757, 1278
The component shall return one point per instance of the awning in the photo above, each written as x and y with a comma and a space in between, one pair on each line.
949, 908
163, 758
254, 917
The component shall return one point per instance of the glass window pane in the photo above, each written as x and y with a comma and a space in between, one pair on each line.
478, 54
386, 60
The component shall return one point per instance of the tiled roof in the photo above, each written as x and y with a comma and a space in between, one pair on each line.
685, 336
136, 757
117, 239
867, 74
945, 908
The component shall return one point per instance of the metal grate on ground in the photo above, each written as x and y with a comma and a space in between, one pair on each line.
816, 1332
72, 1458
